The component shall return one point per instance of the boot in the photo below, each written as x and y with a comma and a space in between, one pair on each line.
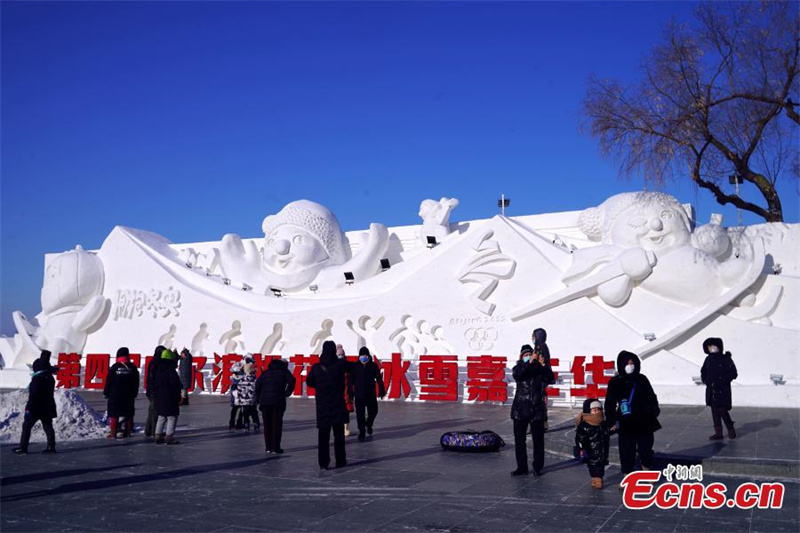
160, 439
172, 440
129, 427
112, 425
731, 432
717, 433
597, 483
50, 449
20, 451
183, 402
347, 430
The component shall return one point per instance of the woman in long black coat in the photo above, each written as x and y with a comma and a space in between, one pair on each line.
41, 404
717, 373
328, 378
632, 406
272, 388
532, 374
121, 390
149, 390
167, 397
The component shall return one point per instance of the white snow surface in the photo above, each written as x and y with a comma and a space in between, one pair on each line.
75, 421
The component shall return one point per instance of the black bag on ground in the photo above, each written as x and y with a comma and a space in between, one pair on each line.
471, 441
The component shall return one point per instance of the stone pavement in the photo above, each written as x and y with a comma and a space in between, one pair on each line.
400, 480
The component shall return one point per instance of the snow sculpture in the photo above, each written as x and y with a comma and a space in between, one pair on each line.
436, 218
72, 307
303, 246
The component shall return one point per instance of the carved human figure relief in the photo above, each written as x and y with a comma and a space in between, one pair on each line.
229, 341
199, 339
323, 334
365, 329
487, 266
167, 340
415, 338
303, 245
436, 218
274, 343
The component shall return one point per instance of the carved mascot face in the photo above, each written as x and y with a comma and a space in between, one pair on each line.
71, 279
652, 226
650, 220
299, 241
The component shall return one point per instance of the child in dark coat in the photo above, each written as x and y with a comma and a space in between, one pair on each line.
592, 436
717, 373
41, 404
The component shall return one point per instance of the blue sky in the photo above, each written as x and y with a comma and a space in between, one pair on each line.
196, 119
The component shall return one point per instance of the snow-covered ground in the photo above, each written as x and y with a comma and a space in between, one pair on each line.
75, 421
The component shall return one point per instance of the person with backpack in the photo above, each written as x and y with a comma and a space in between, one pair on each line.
41, 404
167, 397
366, 376
632, 408
592, 436
272, 388
149, 390
532, 374
328, 377
717, 373
121, 390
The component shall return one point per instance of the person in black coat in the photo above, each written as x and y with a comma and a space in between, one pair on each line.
186, 373
41, 404
532, 374
272, 388
592, 437
632, 407
167, 397
149, 389
121, 390
366, 375
717, 373
328, 378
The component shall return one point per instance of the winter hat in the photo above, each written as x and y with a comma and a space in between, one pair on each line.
712, 341
364, 351
596, 405
167, 355
123, 353
317, 220
248, 358
526, 348
540, 335
622, 361
596, 222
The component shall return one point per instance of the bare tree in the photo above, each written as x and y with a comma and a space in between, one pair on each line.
714, 100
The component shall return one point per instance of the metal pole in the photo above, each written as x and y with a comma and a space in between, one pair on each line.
738, 211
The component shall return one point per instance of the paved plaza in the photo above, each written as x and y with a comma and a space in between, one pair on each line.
400, 480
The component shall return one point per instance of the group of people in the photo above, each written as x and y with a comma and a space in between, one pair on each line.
631, 411
631, 406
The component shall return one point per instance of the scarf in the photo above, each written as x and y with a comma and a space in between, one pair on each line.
589, 418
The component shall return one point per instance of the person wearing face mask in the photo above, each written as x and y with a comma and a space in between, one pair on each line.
632, 408
348, 394
532, 374
717, 373
366, 376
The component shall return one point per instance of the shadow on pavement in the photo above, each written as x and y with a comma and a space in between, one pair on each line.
132, 480
59, 473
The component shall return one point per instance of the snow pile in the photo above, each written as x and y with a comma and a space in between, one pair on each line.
75, 421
